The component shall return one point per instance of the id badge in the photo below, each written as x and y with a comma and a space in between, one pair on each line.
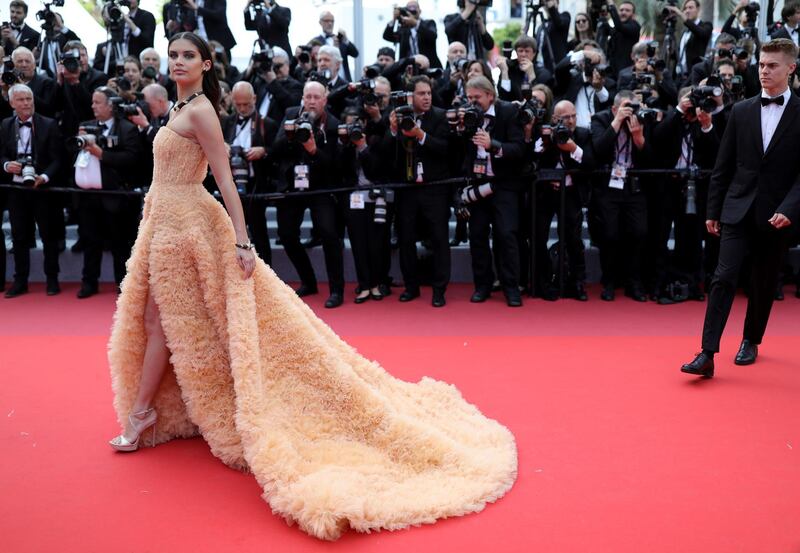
420, 171
618, 174
357, 200
301, 177
480, 166
82, 160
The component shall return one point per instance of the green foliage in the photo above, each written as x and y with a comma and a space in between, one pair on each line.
509, 32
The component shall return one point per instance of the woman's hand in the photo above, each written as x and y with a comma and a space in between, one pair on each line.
247, 261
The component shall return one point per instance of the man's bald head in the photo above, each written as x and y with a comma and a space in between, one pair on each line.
244, 98
565, 112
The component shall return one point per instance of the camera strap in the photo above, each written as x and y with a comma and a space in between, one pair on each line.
27, 147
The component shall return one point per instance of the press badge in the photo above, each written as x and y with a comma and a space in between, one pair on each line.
618, 174
357, 200
420, 171
301, 177
480, 166
82, 160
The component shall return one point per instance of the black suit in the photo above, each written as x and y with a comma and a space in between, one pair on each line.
323, 174
747, 187
558, 31
109, 215
458, 30
146, 22
666, 88
500, 212
262, 134
44, 94
215, 21
27, 38
697, 43
427, 203
517, 77
26, 208
426, 40
345, 49
284, 94
272, 27
783, 32
621, 41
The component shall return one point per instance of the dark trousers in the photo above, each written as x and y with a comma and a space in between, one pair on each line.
548, 205
370, 242
323, 216
27, 210
101, 219
500, 213
622, 220
431, 208
255, 215
766, 248
2, 240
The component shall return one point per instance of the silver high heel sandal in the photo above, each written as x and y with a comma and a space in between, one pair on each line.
140, 422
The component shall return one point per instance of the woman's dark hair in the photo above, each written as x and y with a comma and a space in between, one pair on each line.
589, 30
210, 80
485, 70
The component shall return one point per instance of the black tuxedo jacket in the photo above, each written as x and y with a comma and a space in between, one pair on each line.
262, 133
433, 153
285, 94
553, 155
27, 38
558, 31
146, 21
119, 161
570, 83
215, 21
44, 94
323, 173
697, 44
604, 140
426, 39
459, 30
745, 176
517, 76
781, 32
507, 134
272, 27
621, 41
667, 137
345, 49
46, 145
667, 90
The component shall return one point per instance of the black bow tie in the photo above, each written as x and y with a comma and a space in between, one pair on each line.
25, 124
16, 27
777, 100
242, 120
102, 126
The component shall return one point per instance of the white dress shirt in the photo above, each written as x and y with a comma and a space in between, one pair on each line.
771, 116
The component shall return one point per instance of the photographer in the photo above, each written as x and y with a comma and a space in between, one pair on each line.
494, 151
129, 84
207, 18
151, 71
625, 34
149, 122
562, 145
695, 38
43, 87
557, 32
451, 84
250, 137
413, 34
75, 82
620, 206
15, 32
648, 73
789, 27
310, 163
31, 152
724, 45
222, 66
140, 29
105, 158
583, 78
523, 72
270, 21
742, 21
340, 42
129, 34
680, 198
418, 141
275, 90
469, 28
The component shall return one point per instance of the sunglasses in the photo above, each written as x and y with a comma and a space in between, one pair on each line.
581, 21
277, 66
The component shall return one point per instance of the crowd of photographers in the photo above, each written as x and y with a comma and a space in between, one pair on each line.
635, 123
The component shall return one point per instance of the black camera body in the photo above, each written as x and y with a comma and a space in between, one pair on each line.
478, 3
704, 97
461, 65
263, 60
122, 109
464, 119
9, 75
240, 168
366, 87
560, 134
305, 54
71, 60
28, 170
645, 115
350, 132
47, 16
406, 120
300, 129
94, 135
400, 98
644, 79
531, 110
323, 76
589, 68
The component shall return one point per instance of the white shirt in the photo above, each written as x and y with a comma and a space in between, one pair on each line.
414, 40
482, 153
201, 26
576, 156
244, 138
771, 116
264, 107
584, 103
682, 62
23, 146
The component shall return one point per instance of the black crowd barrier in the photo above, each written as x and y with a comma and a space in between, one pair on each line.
541, 175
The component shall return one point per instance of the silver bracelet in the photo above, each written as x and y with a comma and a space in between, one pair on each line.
247, 246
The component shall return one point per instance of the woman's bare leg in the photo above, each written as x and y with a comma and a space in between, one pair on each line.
156, 361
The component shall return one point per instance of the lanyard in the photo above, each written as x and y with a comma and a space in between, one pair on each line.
27, 147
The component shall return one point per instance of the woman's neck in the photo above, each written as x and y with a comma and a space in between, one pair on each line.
188, 89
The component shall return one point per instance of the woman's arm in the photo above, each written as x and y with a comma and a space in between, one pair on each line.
208, 133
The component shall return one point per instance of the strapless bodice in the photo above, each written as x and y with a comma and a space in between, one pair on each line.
177, 160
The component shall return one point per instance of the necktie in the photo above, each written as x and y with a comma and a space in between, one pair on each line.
242, 120
103, 127
777, 100
25, 124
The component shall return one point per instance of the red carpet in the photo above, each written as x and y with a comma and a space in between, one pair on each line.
619, 451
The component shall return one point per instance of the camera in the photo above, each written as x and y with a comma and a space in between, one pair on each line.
461, 65
121, 109
28, 170
299, 130
644, 114
464, 119
323, 76
560, 134
381, 197
473, 193
180, 13
71, 60
10, 75
704, 97
508, 49
531, 110
590, 68
752, 10
724, 54
644, 79
406, 120
400, 98
478, 3
741, 53
47, 16
263, 59
305, 54
350, 132
373, 71
666, 14
366, 87
150, 73
240, 168
93, 135
403, 12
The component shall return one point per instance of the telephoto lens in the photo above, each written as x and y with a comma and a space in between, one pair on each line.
475, 192
240, 169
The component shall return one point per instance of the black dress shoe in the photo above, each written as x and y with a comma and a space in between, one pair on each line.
311, 243
580, 293
480, 295
747, 353
77, 247
385, 290
548, 294
334, 300
702, 365
608, 293
409, 295
636, 293
306, 290
87, 290
17, 289
438, 298
513, 297
53, 288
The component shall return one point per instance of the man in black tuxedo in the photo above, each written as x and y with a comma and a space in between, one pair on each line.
270, 22
469, 28
112, 157
311, 165
413, 34
554, 152
210, 22
49, 56
661, 84
43, 87
620, 143
495, 151
417, 145
754, 196
275, 90
523, 72
74, 89
624, 35
339, 41
580, 80
694, 41
254, 135
158, 105
789, 27
29, 134
557, 32
18, 33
